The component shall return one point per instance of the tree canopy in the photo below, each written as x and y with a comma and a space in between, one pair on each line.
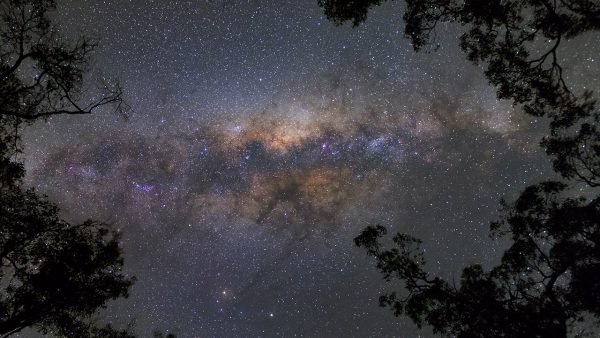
54, 275
547, 281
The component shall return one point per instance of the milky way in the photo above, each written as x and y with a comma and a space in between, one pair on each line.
262, 139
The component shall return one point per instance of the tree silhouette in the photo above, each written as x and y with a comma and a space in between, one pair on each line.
54, 275
548, 280
159, 334
41, 73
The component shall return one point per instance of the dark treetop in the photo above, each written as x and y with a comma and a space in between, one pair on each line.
54, 275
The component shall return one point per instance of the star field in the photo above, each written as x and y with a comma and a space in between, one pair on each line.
262, 139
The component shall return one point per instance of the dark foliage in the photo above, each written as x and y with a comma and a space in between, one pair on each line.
548, 280
54, 275
159, 334
41, 73
340, 11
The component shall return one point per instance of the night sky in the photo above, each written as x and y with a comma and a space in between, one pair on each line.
262, 140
